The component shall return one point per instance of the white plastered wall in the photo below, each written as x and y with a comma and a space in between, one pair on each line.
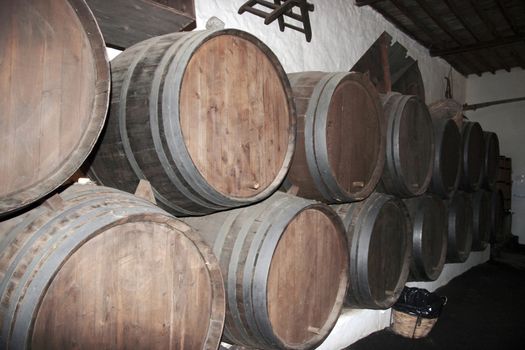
508, 121
342, 33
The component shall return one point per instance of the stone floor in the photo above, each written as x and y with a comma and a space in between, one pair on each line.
485, 310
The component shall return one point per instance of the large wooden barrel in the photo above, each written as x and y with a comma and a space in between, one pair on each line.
481, 219
409, 146
473, 156
207, 117
340, 138
285, 268
96, 268
489, 169
504, 181
459, 227
429, 237
447, 158
54, 92
497, 216
378, 233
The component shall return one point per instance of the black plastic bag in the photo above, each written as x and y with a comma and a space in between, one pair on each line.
420, 302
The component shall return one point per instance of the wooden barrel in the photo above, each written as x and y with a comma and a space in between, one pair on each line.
340, 138
429, 237
447, 158
378, 233
285, 268
489, 169
497, 216
54, 93
459, 227
481, 219
207, 117
473, 156
97, 268
409, 146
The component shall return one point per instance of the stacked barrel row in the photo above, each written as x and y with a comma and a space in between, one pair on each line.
208, 126
198, 123
91, 267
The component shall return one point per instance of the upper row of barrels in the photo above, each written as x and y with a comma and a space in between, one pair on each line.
212, 121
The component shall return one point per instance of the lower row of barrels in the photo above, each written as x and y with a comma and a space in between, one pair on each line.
95, 266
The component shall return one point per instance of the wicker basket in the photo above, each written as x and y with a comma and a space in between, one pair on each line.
410, 326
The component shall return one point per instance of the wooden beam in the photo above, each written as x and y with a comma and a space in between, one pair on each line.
402, 71
403, 28
443, 26
518, 58
186, 7
407, 13
507, 17
479, 68
501, 60
366, 2
127, 22
461, 67
514, 29
414, 19
486, 20
478, 46
438, 21
384, 44
452, 7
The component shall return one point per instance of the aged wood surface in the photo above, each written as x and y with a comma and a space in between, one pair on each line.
340, 139
473, 156
206, 117
54, 92
127, 22
285, 267
482, 219
101, 268
489, 170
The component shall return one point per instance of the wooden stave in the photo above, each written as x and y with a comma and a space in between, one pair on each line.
183, 190
471, 178
253, 329
481, 220
76, 207
497, 214
318, 181
489, 171
392, 179
15, 202
419, 267
359, 294
437, 185
459, 204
